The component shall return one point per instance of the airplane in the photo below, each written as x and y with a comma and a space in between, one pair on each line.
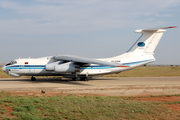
80, 68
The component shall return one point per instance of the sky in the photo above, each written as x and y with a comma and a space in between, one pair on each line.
87, 28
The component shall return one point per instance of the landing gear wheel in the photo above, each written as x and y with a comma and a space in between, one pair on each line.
33, 78
73, 79
86, 79
77, 78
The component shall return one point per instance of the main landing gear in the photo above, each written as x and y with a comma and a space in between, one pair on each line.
80, 79
86, 79
33, 78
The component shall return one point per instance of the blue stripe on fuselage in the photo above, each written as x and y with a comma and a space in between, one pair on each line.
139, 62
26, 67
94, 67
107, 67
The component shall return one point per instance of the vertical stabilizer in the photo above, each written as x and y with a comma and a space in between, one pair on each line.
148, 41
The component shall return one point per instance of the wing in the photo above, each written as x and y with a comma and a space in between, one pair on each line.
83, 60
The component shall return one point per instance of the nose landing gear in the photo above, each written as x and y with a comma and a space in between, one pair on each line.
33, 78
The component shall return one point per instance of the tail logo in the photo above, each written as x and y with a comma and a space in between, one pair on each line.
141, 44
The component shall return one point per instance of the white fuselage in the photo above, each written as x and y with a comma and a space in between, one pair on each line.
37, 67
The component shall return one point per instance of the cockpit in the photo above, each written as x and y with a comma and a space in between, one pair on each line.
11, 63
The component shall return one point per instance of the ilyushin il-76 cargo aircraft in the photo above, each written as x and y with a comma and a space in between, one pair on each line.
80, 68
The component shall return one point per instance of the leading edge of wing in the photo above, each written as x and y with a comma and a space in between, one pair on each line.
83, 60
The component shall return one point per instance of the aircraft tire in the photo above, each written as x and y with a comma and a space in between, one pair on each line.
77, 79
33, 79
86, 79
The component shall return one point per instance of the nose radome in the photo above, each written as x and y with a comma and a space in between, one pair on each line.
3, 68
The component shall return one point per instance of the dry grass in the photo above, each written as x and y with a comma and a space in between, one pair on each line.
149, 71
3, 74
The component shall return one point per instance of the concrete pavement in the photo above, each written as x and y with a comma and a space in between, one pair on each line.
124, 86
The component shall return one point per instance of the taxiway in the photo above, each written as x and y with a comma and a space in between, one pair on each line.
124, 86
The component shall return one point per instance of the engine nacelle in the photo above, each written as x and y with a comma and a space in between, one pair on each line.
66, 67
50, 67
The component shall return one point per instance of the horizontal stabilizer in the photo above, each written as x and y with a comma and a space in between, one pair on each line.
153, 29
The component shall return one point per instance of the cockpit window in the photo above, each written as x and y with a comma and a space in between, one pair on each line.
11, 63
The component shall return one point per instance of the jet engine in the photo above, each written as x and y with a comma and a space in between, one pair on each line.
65, 67
50, 67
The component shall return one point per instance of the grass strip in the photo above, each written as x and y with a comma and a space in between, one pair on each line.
73, 107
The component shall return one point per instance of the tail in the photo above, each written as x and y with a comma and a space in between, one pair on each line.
143, 49
148, 41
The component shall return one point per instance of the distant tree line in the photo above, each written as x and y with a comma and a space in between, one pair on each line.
158, 65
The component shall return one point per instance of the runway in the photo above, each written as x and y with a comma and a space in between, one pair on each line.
124, 86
